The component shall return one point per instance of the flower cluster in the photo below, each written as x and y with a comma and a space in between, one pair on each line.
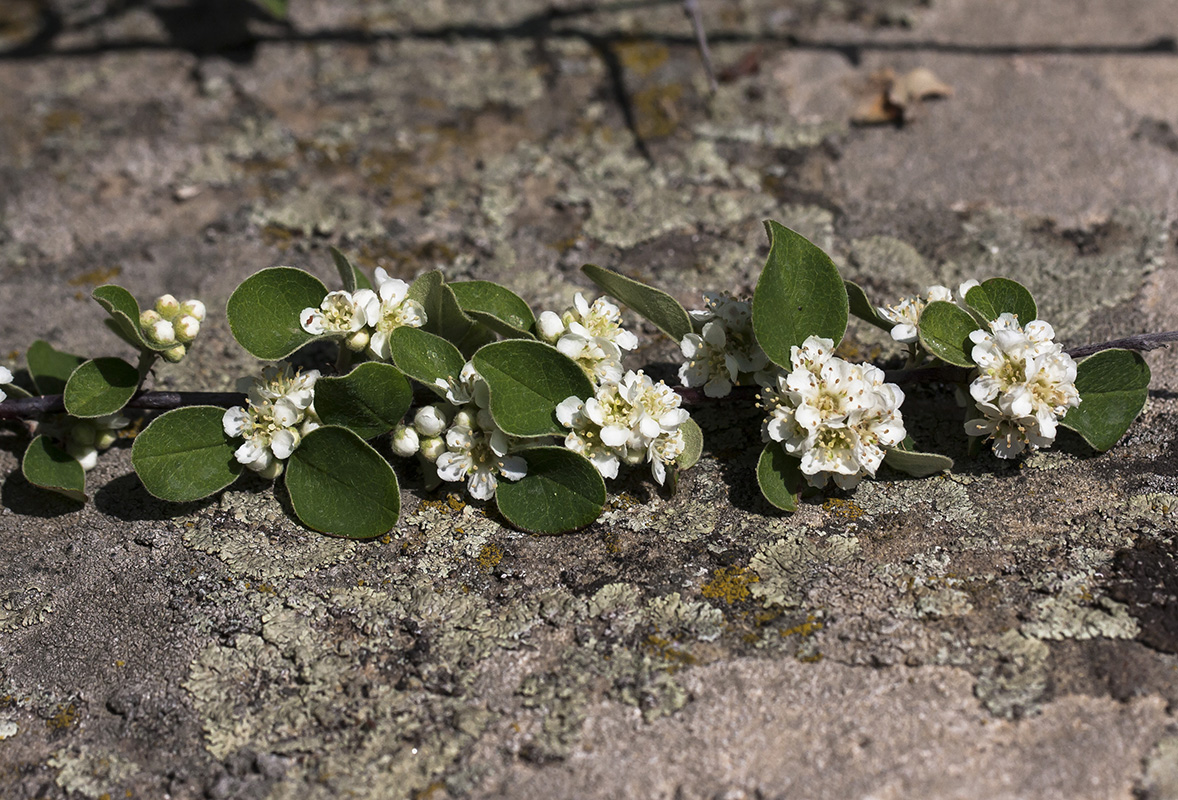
88, 437
366, 317
459, 441
633, 420
725, 352
591, 335
172, 323
279, 412
837, 417
905, 315
1025, 383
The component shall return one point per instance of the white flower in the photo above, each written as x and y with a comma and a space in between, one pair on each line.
339, 312
724, 349
480, 458
469, 387
5, 377
429, 421
905, 315
405, 441
635, 420
837, 417
1025, 383
279, 411
591, 335
387, 309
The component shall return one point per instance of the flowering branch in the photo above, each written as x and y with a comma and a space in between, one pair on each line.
29, 407
1142, 342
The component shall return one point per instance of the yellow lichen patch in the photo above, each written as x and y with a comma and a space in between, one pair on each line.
96, 277
612, 542
642, 58
623, 502
61, 121
65, 717
656, 112
489, 557
846, 509
807, 628
665, 650
730, 584
450, 503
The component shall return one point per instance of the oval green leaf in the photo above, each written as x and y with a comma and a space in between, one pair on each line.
50, 368
497, 307
48, 466
124, 315
369, 400
944, 331
997, 296
347, 273
655, 305
425, 357
99, 387
862, 307
184, 455
443, 315
528, 380
798, 295
339, 485
780, 477
911, 462
1113, 387
693, 444
264, 311
562, 491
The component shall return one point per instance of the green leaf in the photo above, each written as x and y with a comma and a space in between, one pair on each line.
562, 491
264, 311
905, 458
1113, 387
693, 444
798, 295
99, 387
862, 308
275, 8
444, 316
50, 368
425, 357
369, 400
347, 272
998, 296
500, 309
124, 316
944, 331
339, 485
780, 477
184, 455
528, 380
653, 304
48, 466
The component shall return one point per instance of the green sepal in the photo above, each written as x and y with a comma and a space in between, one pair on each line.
1113, 387
50, 368
264, 311
184, 454
48, 466
99, 387
798, 295
528, 380
340, 485
369, 401
497, 307
780, 477
944, 332
693, 444
862, 308
655, 305
996, 296
124, 316
425, 357
562, 492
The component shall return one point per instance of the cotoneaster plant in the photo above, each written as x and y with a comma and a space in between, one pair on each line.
535, 413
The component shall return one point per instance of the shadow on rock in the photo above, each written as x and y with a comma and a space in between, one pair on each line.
125, 498
25, 498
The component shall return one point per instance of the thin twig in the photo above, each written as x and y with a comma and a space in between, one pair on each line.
1142, 341
27, 407
691, 7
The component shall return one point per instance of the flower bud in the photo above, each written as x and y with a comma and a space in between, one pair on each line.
148, 318
83, 434
86, 455
176, 354
160, 332
272, 470
357, 341
167, 306
429, 421
104, 439
405, 441
193, 308
550, 326
187, 327
432, 448
466, 419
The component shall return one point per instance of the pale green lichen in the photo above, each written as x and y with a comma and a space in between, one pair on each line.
1160, 781
671, 614
786, 567
21, 609
89, 772
1014, 675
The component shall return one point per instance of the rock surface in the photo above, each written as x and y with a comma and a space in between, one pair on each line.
1009, 630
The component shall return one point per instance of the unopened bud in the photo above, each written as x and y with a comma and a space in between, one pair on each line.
167, 306
160, 332
175, 354
187, 327
86, 455
466, 419
104, 439
148, 318
272, 470
83, 434
193, 308
405, 441
432, 448
357, 341
429, 421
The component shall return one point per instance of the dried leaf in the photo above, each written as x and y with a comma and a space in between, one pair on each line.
896, 100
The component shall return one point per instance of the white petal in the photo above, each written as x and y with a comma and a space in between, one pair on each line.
452, 466
481, 485
235, 420
513, 467
614, 435
567, 410
283, 443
